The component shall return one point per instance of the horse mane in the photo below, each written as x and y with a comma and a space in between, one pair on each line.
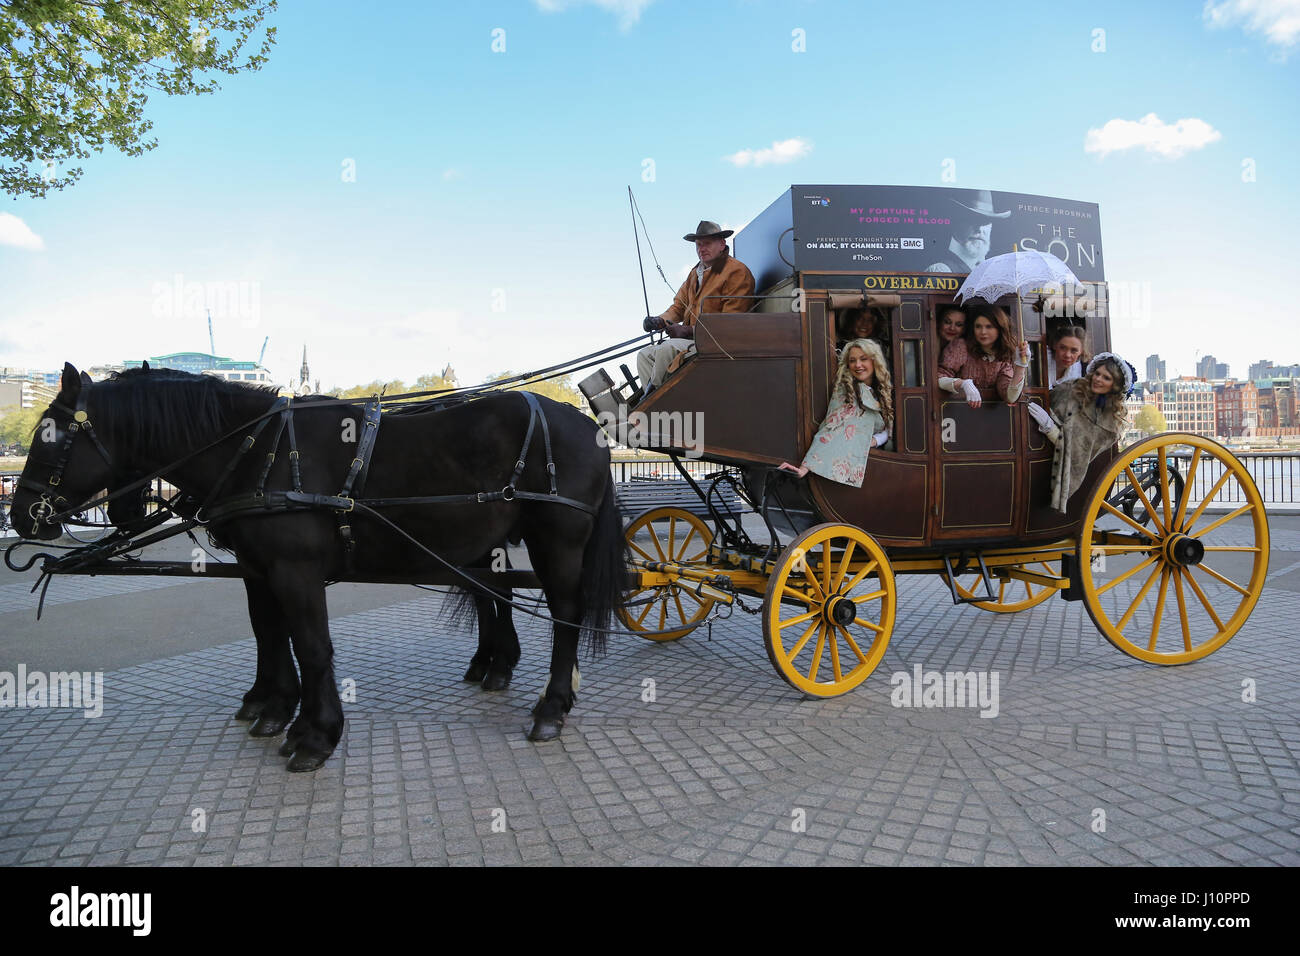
148, 409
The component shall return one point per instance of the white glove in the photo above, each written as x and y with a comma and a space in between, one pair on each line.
970, 391
1039, 414
880, 438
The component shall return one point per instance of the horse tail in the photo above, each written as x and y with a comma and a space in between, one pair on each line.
461, 608
604, 570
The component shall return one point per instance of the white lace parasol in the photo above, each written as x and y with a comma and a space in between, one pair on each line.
1017, 273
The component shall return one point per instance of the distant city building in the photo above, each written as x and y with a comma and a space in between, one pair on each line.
202, 363
30, 388
1266, 369
1236, 409
1208, 368
1187, 404
1155, 369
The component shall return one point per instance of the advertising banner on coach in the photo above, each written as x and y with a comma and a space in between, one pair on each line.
937, 229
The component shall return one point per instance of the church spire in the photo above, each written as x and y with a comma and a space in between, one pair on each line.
304, 373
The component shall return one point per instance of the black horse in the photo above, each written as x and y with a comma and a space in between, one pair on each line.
552, 490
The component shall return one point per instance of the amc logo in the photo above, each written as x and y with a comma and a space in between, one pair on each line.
911, 243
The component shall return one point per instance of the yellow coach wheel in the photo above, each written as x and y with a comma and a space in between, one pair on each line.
829, 610
673, 535
1179, 581
1011, 595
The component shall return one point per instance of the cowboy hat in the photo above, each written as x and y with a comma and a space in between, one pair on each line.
983, 205
708, 230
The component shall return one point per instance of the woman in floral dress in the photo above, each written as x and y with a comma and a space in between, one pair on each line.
860, 416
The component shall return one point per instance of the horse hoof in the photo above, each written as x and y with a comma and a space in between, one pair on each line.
494, 681
267, 727
305, 761
250, 711
476, 672
546, 729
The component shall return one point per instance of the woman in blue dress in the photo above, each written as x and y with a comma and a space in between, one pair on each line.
860, 416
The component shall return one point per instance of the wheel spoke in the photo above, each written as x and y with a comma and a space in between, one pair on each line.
862, 621
812, 579
853, 645
799, 645
1127, 520
826, 567
1142, 496
1128, 615
654, 536
868, 597
799, 596
1127, 574
1223, 479
639, 550
646, 611
1160, 606
1223, 519
1187, 486
1182, 609
1225, 547
1222, 580
835, 654
1205, 602
663, 614
817, 652
857, 578
1164, 486
843, 567
800, 619
681, 554
680, 610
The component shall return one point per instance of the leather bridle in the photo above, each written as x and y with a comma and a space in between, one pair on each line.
46, 509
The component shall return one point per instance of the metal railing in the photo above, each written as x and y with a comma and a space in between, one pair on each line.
1275, 475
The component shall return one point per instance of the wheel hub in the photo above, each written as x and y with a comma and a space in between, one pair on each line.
841, 610
1184, 550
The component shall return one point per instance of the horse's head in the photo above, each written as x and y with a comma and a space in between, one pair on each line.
66, 466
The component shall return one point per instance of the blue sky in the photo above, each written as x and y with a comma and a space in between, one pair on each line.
487, 223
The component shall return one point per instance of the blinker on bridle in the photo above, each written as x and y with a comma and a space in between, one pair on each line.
45, 510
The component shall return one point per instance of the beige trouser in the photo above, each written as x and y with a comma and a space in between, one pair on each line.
652, 361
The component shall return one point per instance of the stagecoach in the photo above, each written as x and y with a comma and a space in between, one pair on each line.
1165, 543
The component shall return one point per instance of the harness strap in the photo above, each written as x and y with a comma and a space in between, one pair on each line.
360, 464
293, 447
286, 415
546, 438
244, 447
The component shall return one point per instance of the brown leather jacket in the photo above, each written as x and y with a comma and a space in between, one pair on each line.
726, 284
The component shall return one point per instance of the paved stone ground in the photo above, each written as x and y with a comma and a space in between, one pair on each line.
719, 769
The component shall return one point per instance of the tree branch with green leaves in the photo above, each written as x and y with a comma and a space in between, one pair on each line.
75, 75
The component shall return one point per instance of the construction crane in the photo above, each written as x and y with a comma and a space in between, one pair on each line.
212, 344
262, 354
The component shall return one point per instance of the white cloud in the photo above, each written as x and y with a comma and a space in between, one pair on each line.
15, 232
1168, 140
1278, 20
628, 11
783, 151
449, 174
